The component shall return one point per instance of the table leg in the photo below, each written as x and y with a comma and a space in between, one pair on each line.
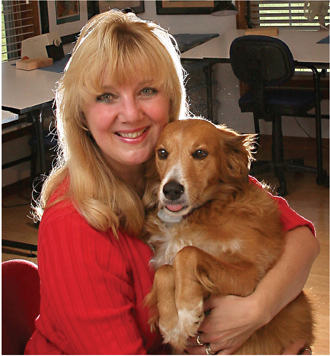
208, 77
38, 124
321, 174
21, 246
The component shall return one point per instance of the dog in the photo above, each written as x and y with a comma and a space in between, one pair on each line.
213, 233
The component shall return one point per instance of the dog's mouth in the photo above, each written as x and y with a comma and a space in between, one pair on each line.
173, 213
177, 209
174, 208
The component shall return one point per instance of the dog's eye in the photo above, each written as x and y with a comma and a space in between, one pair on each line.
162, 154
200, 154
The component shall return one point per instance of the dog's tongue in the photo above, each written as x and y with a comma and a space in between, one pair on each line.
174, 208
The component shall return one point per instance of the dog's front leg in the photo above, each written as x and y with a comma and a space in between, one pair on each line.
189, 298
198, 275
161, 302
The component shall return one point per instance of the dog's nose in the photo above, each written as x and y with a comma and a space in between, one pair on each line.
173, 190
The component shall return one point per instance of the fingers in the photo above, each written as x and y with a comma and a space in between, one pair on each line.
297, 348
305, 351
208, 349
198, 346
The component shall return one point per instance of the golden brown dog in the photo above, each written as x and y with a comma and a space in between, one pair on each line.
217, 234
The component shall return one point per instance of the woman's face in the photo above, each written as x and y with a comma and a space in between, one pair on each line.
126, 121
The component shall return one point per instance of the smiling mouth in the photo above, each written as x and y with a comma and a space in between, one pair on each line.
132, 134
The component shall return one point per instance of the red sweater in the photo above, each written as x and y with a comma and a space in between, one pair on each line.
93, 287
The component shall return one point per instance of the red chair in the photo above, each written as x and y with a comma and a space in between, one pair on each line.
20, 304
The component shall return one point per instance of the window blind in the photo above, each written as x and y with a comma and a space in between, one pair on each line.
288, 13
18, 23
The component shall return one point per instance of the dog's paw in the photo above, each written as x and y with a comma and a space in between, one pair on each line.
187, 326
174, 337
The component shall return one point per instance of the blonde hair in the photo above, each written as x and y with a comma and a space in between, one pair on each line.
120, 45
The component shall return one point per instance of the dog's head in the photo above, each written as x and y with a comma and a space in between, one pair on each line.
197, 161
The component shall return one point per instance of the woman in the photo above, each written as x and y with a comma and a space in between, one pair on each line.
123, 83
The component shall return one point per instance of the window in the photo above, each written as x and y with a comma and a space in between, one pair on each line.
299, 14
20, 20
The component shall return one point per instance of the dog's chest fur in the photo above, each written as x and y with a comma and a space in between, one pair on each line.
170, 239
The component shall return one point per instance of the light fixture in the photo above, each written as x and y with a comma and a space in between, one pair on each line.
224, 8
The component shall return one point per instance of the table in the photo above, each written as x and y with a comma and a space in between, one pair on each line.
7, 117
29, 92
303, 45
309, 48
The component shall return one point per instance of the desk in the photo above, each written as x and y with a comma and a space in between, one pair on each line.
7, 116
28, 92
306, 51
303, 45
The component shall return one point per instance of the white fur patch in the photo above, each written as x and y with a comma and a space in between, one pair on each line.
171, 240
188, 324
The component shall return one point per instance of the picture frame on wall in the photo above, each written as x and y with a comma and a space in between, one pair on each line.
136, 6
183, 7
66, 17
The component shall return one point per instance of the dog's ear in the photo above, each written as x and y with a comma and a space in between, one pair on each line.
237, 153
149, 198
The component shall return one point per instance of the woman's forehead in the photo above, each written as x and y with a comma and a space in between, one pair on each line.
131, 76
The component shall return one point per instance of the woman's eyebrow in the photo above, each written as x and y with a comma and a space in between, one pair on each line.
107, 87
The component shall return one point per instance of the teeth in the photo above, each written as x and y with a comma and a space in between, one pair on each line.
132, 134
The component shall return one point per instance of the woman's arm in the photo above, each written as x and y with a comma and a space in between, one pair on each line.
287, 278
233, 319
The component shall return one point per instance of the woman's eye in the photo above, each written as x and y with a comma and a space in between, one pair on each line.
148, 91
162, 154
105, 98
200, 154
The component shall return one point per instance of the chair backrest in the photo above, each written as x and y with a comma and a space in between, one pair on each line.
20, 304
261, 61
261, 58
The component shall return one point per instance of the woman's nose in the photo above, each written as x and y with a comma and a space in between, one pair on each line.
131, 109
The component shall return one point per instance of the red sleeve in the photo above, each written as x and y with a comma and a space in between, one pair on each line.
290, 219
88, 301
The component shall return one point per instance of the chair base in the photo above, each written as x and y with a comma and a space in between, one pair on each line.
293, 165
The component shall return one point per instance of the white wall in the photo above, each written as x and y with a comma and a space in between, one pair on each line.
227, 90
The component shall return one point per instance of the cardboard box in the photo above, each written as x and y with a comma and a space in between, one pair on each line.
34, 63
264, 31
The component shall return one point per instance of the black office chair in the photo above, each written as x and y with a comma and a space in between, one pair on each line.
265, 63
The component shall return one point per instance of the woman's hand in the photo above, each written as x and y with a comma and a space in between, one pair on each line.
230, 323
297, 348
